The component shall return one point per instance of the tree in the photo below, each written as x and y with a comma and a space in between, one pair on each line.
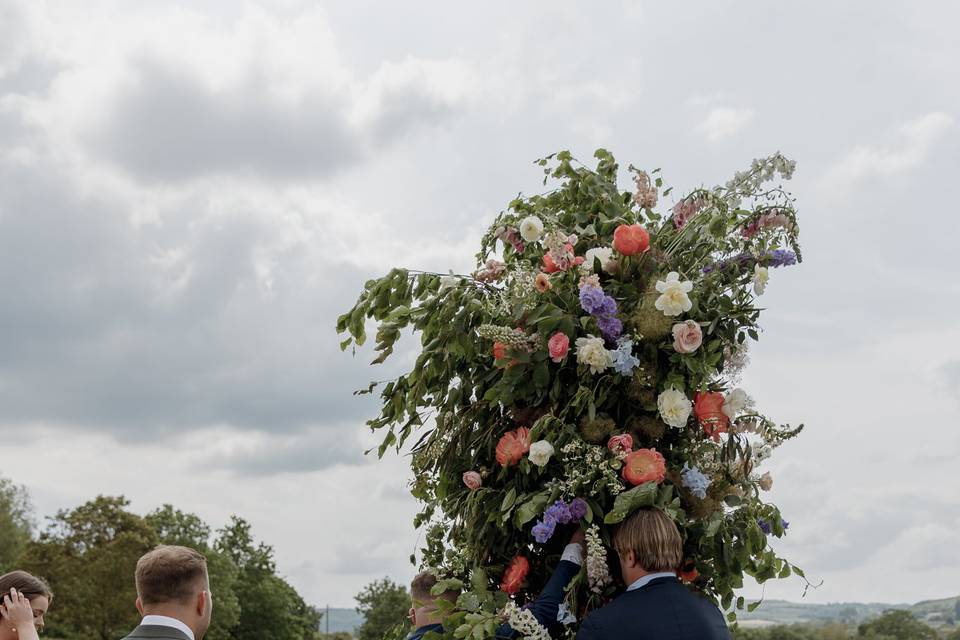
384, 606
896, 625
186, 529
89, 555
277, 611
16, 524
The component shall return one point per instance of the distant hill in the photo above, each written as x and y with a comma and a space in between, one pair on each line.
945, 611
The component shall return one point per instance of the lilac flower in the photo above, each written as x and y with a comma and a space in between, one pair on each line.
610, 327
780, 258
560, 512
607, 308
695, 480
592, 299
544, 529
784, 524
764, 526
578, 508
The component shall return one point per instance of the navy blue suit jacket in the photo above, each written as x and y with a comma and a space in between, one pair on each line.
661, 610
544, 608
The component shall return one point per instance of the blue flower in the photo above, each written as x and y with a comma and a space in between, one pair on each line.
624, 362
695, 480
544, 529
780, 258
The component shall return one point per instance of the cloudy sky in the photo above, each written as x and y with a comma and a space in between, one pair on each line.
190, 192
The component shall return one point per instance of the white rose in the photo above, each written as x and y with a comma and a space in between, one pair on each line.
541, 452
531, 228
761, 276
673, 298
592, 352
605, 255
674, 408
735, 402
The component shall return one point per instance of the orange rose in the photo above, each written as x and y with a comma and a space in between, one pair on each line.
631, 239
644, 465
515, 575
708, 407
512, 446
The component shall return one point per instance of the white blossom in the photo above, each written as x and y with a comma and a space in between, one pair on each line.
761, 275
674, 407
592, 352
540, 453
673, 298
531, 228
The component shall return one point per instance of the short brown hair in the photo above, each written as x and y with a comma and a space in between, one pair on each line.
30, 586
421, 586
654, 539
170, 574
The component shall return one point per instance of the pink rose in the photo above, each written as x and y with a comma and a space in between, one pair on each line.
687, 336
473, 480
620, 445
558, 345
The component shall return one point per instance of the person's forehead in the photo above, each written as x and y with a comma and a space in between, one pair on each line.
40, 602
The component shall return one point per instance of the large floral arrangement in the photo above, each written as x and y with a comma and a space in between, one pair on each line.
586, 369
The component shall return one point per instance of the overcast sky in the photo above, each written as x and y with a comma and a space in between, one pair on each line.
190, 193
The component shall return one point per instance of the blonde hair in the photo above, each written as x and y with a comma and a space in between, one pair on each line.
654, 539
170, 574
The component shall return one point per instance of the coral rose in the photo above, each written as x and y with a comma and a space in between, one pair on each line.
708, 407
515, 575
542, 283
549, 265
687, 337
472, 480
512, 446
644, 465
631, 239
558, 345
620, 445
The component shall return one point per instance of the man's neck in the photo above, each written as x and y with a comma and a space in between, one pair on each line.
171, 613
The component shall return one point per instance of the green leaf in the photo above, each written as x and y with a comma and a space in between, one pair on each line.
508, 500
629, 501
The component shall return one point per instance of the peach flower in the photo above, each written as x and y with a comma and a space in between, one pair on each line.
687, 336
472, 480
644, 465
515, 575
631, 239
512, 446
549, 266
558, 345
708, 407
542, 283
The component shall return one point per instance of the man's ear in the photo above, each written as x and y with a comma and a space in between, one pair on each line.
203, 601
412, 615
139, 606
631, 559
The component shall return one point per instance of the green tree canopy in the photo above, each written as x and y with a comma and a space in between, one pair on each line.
384, 606
16, 523
896, 625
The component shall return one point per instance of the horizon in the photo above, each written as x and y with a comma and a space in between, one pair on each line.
182, 220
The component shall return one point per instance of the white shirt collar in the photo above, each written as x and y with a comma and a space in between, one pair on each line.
164, 621
647, 579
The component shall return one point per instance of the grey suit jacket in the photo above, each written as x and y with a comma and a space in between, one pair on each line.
156, 632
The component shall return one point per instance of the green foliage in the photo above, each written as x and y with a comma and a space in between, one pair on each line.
16, 524
896, 625
484, 369
384, 606
795, 632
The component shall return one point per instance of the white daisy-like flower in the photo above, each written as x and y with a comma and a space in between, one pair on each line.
673, 298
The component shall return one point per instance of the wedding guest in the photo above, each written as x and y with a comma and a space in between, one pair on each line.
426, 616
655, 605
25, 600
173, 595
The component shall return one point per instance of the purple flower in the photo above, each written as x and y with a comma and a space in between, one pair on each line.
592, 299
610, 327
784, 524
560, 512
607, 308
764, 526
780, 258
544, 529
578, 508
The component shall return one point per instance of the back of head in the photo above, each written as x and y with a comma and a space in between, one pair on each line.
170, 575
421, 587
653, 538
29, 585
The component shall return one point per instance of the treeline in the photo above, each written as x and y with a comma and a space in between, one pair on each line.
88, 555
892, 625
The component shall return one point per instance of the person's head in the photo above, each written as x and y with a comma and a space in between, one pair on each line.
172, 581
424, 609
647, 542
35, 590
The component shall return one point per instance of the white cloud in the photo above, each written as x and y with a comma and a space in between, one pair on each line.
723, 122
916, 140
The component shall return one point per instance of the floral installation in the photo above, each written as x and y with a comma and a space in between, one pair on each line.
588, 368
523, 622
